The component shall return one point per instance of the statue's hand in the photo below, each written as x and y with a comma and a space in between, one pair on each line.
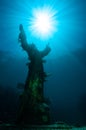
21, 28
22, 36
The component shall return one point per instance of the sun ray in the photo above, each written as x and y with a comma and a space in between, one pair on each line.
43, 22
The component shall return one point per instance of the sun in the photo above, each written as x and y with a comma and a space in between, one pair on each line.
43, 22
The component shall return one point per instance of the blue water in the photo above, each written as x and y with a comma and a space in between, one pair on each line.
66, 87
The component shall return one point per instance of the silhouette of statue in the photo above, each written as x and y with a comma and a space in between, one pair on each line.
33, 109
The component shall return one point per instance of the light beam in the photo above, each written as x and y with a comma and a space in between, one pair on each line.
43, 22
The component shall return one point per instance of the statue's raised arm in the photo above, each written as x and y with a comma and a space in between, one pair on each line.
45, 51
31, 48
22, 39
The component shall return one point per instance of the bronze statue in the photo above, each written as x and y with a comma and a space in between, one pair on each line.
33, 108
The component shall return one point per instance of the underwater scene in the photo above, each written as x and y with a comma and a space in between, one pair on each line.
42, 64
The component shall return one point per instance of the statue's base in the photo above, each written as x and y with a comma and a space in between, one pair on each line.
57, 126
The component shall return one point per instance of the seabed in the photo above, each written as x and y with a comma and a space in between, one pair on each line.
57, 126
